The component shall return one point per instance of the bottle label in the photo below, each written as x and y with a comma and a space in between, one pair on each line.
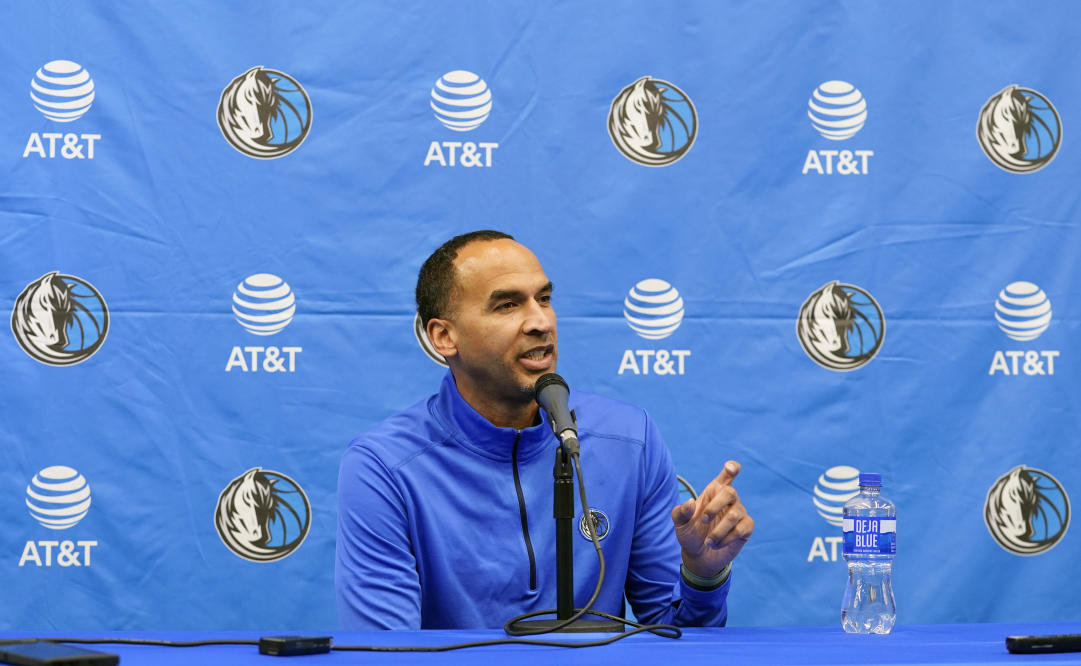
870, 536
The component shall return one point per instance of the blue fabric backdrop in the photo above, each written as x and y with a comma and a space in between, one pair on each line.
305, 195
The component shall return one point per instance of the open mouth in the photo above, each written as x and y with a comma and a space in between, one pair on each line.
538, 356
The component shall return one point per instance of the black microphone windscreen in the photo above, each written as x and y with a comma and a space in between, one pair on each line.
547, 380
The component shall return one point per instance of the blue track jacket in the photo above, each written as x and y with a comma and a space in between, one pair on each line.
445, 520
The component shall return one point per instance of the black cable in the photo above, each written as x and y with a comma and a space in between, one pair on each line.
662, 630
141, 641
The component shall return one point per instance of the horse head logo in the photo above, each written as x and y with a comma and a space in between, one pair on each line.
1019, 129
249, 102
59, 319
1026, 511
254, 516
652, 122
1005, 121
830, 320
264, 113
44, 311
827, 318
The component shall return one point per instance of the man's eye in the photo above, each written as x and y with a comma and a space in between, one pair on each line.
505, 306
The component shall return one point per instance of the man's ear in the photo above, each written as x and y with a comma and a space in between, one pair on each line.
442, 335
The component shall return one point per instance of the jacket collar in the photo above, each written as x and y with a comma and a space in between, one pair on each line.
470, 429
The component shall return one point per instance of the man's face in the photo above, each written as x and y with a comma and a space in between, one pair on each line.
501, 324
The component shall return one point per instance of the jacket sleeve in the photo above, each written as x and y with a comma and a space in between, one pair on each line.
657, 592
375, 574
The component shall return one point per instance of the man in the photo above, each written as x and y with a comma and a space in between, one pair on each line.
445, 510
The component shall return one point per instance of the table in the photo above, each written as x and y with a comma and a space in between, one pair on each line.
791, 646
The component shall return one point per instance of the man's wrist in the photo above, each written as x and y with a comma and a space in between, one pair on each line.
702, 583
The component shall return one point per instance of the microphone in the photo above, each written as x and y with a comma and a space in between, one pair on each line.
552, 394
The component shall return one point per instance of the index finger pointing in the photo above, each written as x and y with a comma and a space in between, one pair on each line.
730, 471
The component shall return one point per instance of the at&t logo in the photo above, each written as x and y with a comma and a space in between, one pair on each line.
652, 122
58, 497
1027, 511
835, 487
1019, 130
262, 515
837, 110
1023, 312
654, 310
461, 101
264, 305
840, 326
60, 319
264, 113
62, 91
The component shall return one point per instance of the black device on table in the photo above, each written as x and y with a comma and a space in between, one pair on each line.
54, 654
1044, 644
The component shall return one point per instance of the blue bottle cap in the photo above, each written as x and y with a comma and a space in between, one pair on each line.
870, 479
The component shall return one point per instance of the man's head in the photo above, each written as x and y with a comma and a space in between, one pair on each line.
486, 305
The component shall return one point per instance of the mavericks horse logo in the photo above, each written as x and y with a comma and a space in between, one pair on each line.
1027, 511
596, 524
841, 326
1019, 130
264, 113
652, 122
60, 319
262, 516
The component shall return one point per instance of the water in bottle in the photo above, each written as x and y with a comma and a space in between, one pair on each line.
870, 543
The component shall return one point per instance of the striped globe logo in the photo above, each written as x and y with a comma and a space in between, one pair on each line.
837, 110
1022, 311
264, 304
62, 90
835, 487
461, 100
58, 497
653, 309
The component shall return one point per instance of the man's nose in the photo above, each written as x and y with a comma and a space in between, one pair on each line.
539, 319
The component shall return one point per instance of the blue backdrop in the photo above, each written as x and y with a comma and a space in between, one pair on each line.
816, 237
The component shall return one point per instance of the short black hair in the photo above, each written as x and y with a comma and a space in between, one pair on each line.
436, 278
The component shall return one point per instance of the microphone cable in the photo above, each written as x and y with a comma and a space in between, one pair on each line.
662, 630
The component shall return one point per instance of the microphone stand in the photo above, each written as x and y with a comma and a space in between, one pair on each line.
563, 510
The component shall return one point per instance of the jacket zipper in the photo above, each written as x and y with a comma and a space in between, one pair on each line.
525, 522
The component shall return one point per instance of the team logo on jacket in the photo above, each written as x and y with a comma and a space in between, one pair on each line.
425, 343
262, 515
597, 522
1019, 130
60, 319
1027, 511
840, 326
652, 122
264, 113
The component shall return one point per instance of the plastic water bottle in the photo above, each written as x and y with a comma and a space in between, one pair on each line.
870, 543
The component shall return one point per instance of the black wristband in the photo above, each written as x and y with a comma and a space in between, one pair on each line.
705, 584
